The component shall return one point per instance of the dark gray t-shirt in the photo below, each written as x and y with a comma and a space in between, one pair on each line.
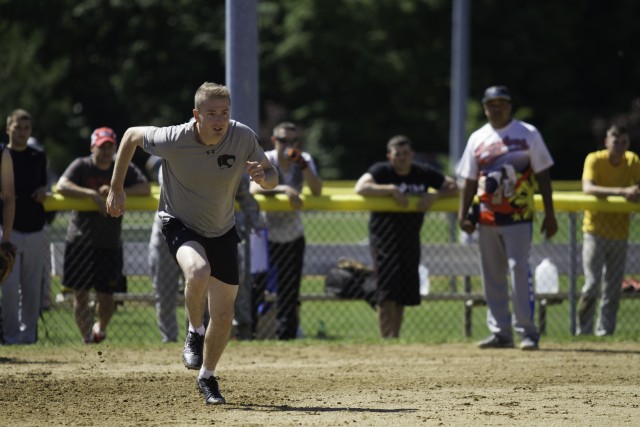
200, 181
91, 228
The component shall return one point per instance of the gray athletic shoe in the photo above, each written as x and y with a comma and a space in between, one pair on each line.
495, 341
528, 343
210, 390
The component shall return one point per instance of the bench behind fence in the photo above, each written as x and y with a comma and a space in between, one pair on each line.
444, 259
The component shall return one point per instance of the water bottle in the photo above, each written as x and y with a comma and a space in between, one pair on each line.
546, 276
425, 284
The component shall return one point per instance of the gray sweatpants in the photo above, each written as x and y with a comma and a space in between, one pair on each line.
600, 256
504, 255
21, 292
165, 274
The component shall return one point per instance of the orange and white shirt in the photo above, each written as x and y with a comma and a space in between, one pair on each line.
504, 162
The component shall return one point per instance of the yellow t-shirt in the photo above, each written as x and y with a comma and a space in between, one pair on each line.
599, 170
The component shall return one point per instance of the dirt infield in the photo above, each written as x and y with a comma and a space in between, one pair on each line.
326, 384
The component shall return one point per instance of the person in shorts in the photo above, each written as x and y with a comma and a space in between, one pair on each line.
93, 249
203, 162
394, 237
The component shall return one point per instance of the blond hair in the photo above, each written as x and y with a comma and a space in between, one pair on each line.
210, 90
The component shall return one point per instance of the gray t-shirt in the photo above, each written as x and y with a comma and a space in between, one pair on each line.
287, 226
200, 181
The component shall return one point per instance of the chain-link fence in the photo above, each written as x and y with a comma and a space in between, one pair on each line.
452, 303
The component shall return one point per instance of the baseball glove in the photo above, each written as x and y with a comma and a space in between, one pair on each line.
7, 258
295, 156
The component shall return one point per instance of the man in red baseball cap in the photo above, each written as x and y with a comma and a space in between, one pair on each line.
102, 135
93, 253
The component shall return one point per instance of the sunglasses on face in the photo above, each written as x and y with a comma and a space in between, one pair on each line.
286, 141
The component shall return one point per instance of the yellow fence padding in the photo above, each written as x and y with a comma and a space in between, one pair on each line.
563, 202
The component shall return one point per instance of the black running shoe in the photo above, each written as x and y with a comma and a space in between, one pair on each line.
192, 354
210, 390
495, 341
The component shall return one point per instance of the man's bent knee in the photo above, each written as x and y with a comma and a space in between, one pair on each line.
197, 276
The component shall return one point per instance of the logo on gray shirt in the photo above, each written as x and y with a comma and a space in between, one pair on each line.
226, 161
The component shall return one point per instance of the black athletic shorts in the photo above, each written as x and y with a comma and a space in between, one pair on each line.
86, 267
396, 261
222, 251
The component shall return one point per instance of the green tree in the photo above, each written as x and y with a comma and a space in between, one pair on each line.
352, 72
356, 73
78, 65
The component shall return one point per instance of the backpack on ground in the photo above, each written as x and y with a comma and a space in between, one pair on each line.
351, 279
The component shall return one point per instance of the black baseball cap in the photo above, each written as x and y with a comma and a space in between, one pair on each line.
496, 92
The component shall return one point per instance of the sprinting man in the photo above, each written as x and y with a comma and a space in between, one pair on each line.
202, 165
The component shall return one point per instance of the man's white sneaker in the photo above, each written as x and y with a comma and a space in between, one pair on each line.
97, 333
528, 344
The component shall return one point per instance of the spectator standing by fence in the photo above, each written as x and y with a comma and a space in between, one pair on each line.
21, 293
203, 163
286, 242
394, 237
165, 273
502, 162
93, 248
613, 171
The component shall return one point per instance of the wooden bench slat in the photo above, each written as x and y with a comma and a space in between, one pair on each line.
442, 259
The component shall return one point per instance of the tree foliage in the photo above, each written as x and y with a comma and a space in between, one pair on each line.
352, 72
78, 65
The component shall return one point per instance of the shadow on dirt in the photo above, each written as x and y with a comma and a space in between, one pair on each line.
286, 408
591, 350
16, 361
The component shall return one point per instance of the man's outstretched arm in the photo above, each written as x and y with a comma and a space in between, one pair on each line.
117, 199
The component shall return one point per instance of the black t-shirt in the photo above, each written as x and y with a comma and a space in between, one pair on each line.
418, 181
30, 173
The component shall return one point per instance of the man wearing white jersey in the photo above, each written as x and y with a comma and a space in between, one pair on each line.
202, 165
503, 162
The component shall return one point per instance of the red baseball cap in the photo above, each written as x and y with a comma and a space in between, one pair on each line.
102, 135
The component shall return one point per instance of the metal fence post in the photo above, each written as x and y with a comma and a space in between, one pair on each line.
453, 236
573, 256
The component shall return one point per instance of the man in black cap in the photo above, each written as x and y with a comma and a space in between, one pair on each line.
502, 162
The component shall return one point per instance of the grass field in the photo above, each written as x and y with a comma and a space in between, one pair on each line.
349, 321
